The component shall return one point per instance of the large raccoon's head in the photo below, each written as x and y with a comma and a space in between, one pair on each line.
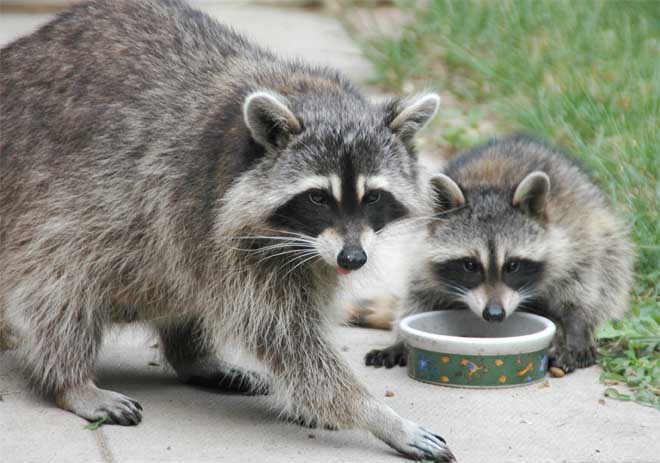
491, 244
336, 170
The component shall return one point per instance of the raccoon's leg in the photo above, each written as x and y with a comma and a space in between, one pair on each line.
396, 354
60, 336
574, 345
196, 363
314, 383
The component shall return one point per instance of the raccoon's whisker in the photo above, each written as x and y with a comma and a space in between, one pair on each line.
300, 257
286, 232
292, 251
438, 215
393, 227
527, 292
455, 289
284, 246
279, 242
400, 232
426, 218
274, 238
298, 254
272, 247
235, 248
315, 256
288, 236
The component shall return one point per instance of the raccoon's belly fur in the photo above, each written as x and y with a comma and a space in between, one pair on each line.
523, 228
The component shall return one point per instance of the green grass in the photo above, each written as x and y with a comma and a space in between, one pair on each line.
585, 74
94, 425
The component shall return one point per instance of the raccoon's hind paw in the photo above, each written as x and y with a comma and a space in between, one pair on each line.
311, 424
95, 404
232, 380
389, 357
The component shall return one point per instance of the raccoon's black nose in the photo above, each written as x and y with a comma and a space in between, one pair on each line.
494, 313
352, 258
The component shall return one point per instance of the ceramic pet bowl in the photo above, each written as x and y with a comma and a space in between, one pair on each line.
456, 348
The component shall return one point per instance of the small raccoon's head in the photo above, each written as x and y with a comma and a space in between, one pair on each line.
491, 244
336, 170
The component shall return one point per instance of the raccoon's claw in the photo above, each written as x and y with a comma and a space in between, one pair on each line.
566, 367
389, 357
424, 445
128, 414
570, 360
586, 358
564, 361
95, 404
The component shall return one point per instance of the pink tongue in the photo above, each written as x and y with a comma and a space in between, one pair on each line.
342, 271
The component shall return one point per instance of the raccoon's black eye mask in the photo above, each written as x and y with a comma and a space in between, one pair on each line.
468, 273
524, 272
313, 211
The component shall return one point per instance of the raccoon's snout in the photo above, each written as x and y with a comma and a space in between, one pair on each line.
351, 258
494, 313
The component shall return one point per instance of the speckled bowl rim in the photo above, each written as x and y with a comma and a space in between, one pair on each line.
476, 346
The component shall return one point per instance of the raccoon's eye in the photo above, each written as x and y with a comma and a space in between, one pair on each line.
512, 266
470, 265
318, 197
372, 197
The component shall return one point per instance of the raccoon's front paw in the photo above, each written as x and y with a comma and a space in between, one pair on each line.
396, 354
585, 358
568, 360
94, 404
564, 361
417, 443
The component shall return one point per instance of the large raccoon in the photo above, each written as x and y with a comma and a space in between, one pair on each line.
518, 226
158, 167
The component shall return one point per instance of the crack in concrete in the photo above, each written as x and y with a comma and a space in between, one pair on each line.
102, 444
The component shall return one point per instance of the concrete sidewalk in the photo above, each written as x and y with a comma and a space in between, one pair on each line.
290, 31
562, 422
565, 422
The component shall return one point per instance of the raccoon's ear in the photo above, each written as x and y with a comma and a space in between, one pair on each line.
531, 194
405, 117
270, 120
447, 194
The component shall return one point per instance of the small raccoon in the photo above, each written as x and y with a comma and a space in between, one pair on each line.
520, 227
159, 168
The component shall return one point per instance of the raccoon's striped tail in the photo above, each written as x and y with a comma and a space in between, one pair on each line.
378, 312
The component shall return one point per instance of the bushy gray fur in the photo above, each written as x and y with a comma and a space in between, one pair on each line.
143, 147
518, 198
